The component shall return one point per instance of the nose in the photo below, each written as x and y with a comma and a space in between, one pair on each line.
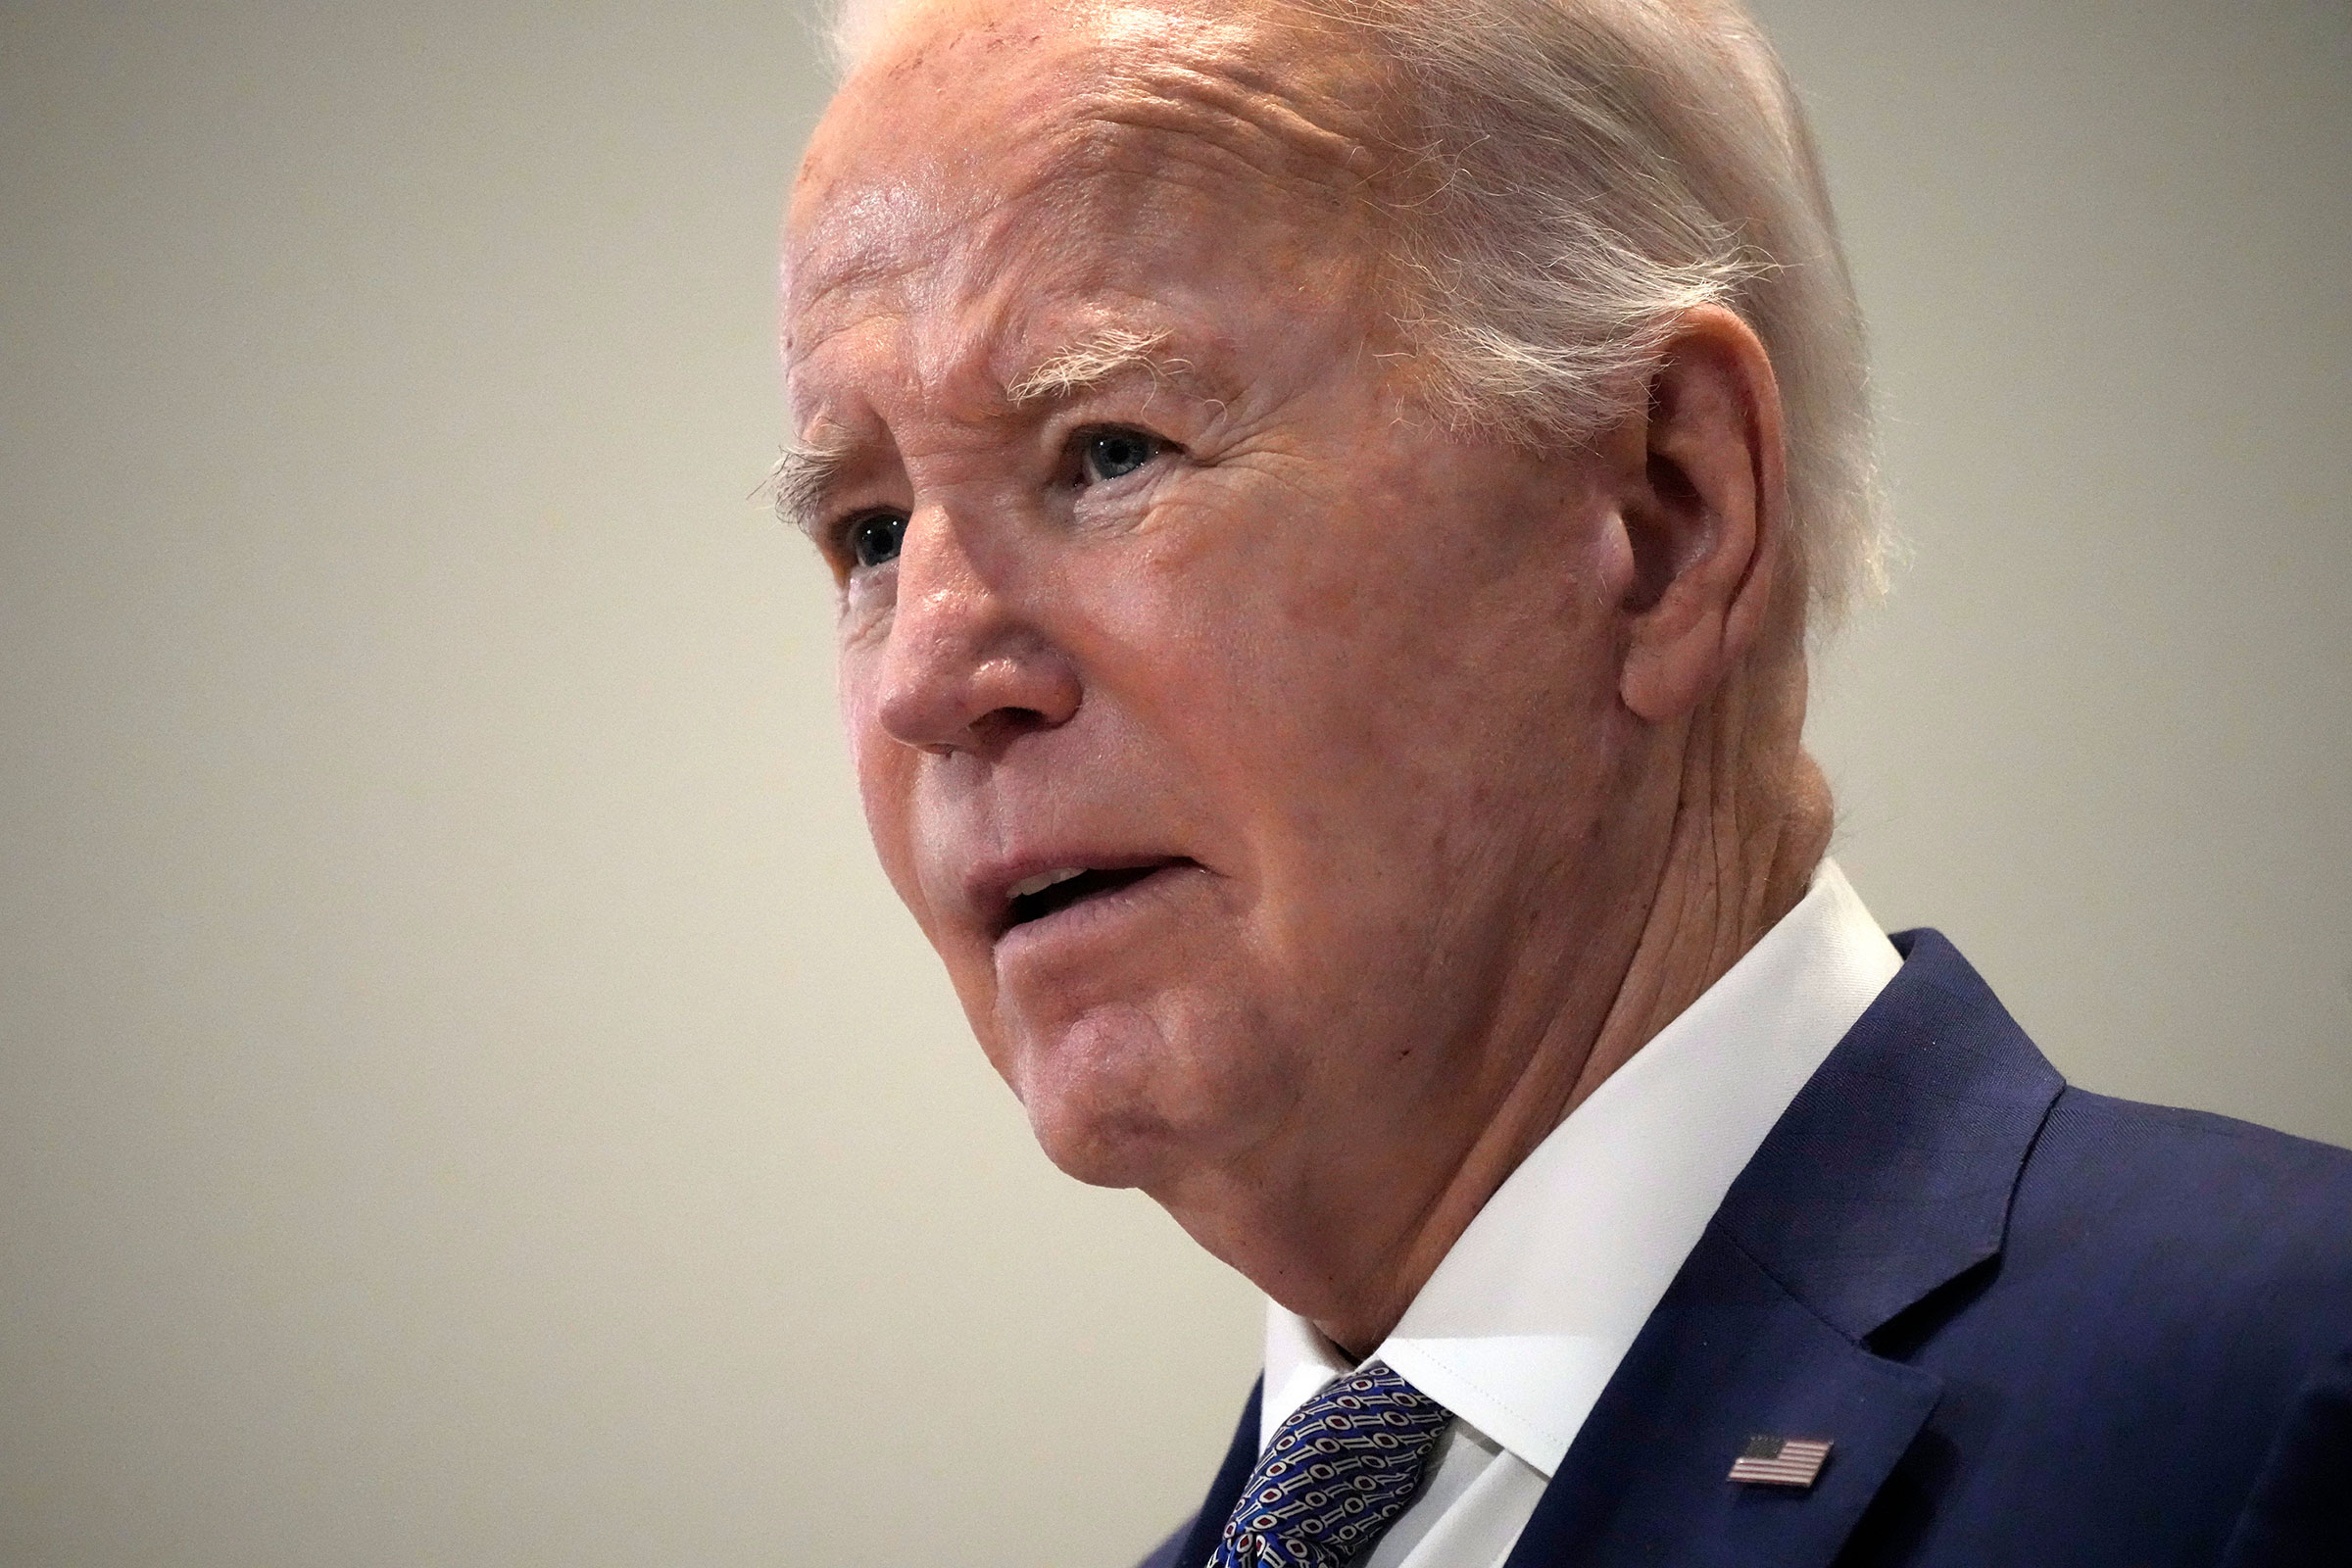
962, 668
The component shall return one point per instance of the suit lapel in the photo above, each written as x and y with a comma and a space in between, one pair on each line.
1240, 1457
1727, 1354
1889, 1175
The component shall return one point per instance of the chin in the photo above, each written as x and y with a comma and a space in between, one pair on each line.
1098, 1121
1103, 1149
1109, 1098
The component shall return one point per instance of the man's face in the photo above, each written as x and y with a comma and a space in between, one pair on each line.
1312, 695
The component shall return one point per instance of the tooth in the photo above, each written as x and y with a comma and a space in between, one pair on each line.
1043, 880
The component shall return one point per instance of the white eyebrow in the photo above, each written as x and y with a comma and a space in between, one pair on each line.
1093, 359
804, 471
807, 467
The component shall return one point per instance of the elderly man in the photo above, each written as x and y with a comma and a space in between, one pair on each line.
1328, 501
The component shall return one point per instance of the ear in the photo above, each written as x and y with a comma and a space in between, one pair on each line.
1702, 496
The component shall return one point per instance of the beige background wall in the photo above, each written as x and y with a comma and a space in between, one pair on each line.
466, 1096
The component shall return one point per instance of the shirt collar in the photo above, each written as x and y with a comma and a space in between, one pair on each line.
1525, 1320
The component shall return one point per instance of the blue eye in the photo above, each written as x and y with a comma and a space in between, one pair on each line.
875, 537
1116, 454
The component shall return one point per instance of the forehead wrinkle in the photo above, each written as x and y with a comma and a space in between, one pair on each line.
1232, 121
844, 235
943, 231
1252, 110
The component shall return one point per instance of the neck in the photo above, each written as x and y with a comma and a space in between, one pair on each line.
1734, 840
1723, 883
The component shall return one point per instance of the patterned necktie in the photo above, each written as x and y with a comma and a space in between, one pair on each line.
1338, 1472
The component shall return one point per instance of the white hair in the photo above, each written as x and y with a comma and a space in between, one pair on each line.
1602, 168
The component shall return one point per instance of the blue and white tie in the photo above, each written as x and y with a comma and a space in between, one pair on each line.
1337, 1473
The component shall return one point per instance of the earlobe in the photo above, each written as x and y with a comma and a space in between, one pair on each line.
1702, 508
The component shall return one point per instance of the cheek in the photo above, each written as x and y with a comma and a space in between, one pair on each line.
885, 772
1399, 698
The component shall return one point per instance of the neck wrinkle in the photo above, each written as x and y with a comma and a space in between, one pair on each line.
1752, 822
1741, 849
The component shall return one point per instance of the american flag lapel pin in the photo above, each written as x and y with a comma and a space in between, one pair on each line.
1769, 1460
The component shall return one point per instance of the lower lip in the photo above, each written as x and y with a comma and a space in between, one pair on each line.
1102, 916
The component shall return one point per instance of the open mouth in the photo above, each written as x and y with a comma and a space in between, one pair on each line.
1052, 892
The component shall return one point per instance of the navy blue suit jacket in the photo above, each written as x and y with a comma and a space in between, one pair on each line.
2041, 1327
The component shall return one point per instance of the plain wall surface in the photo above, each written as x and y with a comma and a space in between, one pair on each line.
467, 1095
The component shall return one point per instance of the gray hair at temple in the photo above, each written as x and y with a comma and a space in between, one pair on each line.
1595, 169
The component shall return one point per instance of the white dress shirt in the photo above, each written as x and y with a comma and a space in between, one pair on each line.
1526, 1317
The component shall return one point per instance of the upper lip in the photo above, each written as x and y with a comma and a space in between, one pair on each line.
989, 891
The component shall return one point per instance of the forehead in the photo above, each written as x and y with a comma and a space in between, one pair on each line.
1001, 172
